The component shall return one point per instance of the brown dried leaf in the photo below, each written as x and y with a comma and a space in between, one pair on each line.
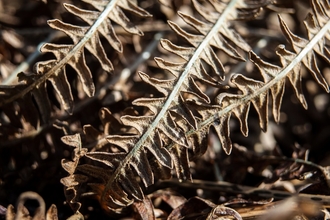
144, 209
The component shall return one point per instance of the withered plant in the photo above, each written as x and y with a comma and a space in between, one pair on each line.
144, 91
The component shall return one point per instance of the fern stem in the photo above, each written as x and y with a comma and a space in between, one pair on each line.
139, 145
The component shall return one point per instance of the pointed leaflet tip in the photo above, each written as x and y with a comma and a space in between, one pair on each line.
250, 88
223, 131
72, 140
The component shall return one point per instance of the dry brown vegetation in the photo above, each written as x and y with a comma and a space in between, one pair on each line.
179, 109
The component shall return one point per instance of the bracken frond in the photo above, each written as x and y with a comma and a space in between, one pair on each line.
99, 23
274, 77
144, 153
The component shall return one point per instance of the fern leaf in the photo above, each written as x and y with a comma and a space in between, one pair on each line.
257, 92
145, 152
99, 23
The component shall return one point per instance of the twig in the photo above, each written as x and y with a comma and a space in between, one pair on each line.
30, 60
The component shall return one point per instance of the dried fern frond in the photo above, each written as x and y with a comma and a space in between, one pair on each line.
143, 154
274, 77
99, 24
